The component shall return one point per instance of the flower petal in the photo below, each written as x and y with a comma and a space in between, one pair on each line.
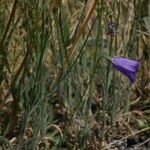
131, 75
126, 63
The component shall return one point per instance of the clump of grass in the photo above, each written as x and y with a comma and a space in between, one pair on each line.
57, 90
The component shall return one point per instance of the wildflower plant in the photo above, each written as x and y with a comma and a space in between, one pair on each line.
127, 66
57, 91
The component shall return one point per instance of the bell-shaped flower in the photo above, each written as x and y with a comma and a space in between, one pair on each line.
127, 66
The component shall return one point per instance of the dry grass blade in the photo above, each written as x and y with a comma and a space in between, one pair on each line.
83, 26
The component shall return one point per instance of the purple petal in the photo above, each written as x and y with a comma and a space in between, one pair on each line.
131, 75
128, 64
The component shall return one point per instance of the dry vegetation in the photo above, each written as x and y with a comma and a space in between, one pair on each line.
55, 90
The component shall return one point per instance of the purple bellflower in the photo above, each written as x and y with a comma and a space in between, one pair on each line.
127, 66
